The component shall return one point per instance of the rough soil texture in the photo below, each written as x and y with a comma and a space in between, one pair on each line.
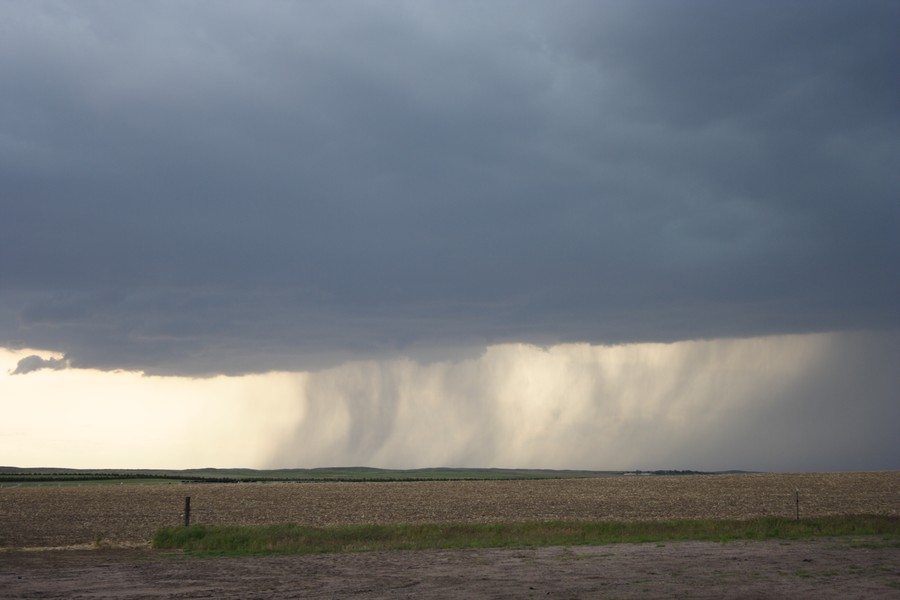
121, 520
824, 568
48, 516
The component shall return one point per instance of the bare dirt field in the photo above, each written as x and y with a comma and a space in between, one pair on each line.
117, 522
825, 568
52, 516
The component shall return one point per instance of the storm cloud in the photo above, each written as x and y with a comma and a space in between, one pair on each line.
33, 362
206, 187
796, 403
811, 402
582, 234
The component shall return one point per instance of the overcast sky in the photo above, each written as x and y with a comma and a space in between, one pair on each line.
202, 188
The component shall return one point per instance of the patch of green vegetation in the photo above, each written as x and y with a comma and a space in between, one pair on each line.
296, 539
875, 543
17, 476
70, 482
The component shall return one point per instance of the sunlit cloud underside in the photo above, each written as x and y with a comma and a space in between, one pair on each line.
800, 402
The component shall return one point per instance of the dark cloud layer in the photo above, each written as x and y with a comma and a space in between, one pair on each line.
215, 186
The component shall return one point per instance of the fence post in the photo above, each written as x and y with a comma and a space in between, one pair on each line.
797, 497
187, 511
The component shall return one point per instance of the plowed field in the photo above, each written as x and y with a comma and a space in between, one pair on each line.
53, 516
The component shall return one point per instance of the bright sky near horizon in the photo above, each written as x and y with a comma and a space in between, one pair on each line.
575, 234
786, 403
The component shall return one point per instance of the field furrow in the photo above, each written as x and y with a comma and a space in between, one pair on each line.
49, 516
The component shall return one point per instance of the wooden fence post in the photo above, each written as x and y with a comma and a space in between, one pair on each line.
187, 511
797, 497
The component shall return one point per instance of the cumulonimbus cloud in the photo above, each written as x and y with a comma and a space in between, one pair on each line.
440, 174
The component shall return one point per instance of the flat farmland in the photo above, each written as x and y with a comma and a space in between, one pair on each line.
68, 515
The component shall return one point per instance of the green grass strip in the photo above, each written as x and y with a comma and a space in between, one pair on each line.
296, 539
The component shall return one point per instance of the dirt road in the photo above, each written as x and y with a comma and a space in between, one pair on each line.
824, 568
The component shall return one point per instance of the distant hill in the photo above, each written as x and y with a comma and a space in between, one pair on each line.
213, 475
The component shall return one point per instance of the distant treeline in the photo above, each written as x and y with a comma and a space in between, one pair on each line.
341, 474
26, 477
99, 477
673, 472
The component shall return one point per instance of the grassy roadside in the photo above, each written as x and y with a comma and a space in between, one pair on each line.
295, 539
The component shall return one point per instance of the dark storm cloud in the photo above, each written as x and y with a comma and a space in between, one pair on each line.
34, 362
209, 186
787, 403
